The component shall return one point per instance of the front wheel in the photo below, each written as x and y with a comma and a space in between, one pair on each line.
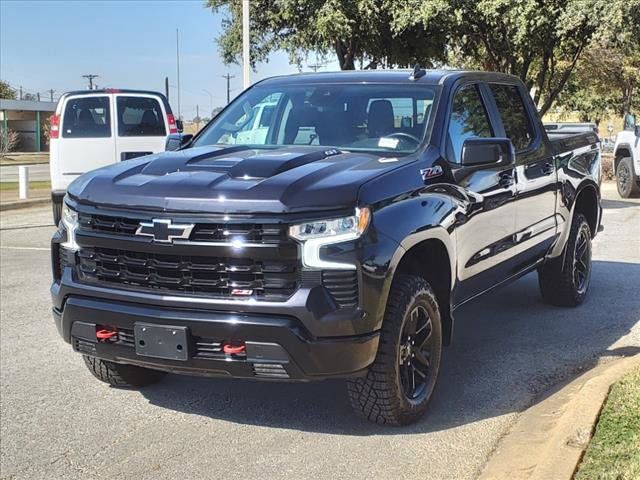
401, 380
626, 180
564, 281
120, 375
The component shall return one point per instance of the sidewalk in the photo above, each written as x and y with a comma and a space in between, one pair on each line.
548, 440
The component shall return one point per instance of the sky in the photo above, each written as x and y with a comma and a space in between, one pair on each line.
129, 44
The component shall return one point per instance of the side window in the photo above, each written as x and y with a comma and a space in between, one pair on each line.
87, 117
514, 115
140, 117
468, 119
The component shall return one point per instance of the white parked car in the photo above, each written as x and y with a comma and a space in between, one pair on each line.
626, 161
95, 128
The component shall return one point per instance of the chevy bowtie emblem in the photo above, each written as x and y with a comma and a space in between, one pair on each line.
164, 230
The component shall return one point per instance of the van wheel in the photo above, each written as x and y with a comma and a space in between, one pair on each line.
626, 181
56, 204
564, 281
401, 380
120, 375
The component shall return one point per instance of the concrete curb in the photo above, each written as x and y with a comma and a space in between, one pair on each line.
548, 439
24, 204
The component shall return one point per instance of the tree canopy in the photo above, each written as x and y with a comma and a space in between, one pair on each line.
6, 91
540, 41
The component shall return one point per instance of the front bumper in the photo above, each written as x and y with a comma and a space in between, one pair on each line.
276, 346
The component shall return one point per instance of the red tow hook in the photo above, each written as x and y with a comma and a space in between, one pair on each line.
238, 348
106, 334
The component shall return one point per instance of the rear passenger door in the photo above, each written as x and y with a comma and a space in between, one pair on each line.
485, 234
535, 173
141, 126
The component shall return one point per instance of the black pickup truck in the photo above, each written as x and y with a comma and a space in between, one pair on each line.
325, 225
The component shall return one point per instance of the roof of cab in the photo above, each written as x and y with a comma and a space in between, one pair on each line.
431, 77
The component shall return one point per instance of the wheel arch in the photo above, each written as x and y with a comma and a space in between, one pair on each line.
622, 151
432, 258
587, 203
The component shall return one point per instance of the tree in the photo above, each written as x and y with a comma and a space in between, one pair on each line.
540, 41
607, 78
6, 91
371, 33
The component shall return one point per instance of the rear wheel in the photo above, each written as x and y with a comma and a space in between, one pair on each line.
400, 382
626, 180
121, 375
564, 281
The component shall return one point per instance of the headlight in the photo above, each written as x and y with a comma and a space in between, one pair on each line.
70, 222
317, 234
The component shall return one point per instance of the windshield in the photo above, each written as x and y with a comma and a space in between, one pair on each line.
385, 118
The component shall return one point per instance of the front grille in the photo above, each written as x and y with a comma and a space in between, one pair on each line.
203, 232
190, 275
207, 348
343, 286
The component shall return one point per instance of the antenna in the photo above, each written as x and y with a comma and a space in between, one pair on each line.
418, 72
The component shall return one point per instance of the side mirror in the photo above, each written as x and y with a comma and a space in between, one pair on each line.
488, 151
180, 126
637, 131
176, 141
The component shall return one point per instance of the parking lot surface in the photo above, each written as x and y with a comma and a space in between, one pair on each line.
57, 421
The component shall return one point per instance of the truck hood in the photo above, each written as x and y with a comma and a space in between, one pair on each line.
234, 179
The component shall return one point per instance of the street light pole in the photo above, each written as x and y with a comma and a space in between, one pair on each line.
210, 100
246, 60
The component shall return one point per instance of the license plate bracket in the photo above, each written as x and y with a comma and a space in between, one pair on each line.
161, 341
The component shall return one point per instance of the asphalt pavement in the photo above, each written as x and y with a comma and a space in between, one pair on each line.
57, 421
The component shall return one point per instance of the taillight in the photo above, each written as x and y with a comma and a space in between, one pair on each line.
172, 123
54, 131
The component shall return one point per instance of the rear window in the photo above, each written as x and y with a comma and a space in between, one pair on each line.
514, 115
140, 117
87, 117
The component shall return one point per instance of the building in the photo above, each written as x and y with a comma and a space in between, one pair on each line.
28, 119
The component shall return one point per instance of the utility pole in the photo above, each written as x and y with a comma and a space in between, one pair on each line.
20, 92
38, 96
51, 92
246, 59
198, 117
90, 77
166, 87
228, 77
178, 72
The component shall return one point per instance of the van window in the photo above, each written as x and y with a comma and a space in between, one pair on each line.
514, 116
140, 117
86, 117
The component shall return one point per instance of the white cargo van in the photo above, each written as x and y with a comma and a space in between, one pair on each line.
94, 128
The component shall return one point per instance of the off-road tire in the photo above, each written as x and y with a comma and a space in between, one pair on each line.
556, 278
379, 396
626, 181
120, 375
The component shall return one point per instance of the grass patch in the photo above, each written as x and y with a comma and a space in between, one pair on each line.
21, 159
39, 185
614, 451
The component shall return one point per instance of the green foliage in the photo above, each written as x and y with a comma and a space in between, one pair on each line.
6, 91
369, 32
539, 41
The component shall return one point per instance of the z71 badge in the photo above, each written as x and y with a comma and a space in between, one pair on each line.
431, 172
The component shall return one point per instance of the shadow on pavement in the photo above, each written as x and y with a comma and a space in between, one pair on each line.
508, 347
607, 204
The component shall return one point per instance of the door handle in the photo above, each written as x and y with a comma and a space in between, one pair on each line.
548, 168
506, 180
